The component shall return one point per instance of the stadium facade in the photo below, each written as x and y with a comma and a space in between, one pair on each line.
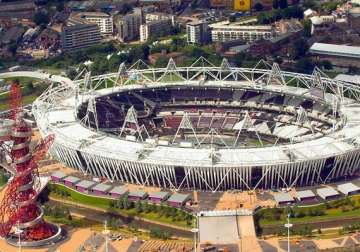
205, 127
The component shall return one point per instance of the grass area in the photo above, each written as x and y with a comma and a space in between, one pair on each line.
22, 80
330, 211
4, 177
331, 74
106, 204
29, 91
75, 222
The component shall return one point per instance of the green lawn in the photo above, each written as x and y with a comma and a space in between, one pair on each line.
105, 204
22, 80
345, 210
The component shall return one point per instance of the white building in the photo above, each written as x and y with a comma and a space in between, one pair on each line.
155, 29
155, 16
226, 31
103, 20
197, 32
128, 26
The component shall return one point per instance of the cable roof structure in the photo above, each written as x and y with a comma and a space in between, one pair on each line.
296, 134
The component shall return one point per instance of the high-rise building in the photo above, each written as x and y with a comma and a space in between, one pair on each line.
197, 32
155, 29
128, 26
103, 20
78, 34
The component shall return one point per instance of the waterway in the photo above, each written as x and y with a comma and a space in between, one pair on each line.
100, 216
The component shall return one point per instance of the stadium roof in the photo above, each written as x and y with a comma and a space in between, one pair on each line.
159, 195
336, 50
102, 187
305, 194
327, 192
283, 197
179, 198
86, 184
348, 188
74, 135
72, 179
119, 190
58, 174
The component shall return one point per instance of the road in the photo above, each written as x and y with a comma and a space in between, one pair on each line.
38, 75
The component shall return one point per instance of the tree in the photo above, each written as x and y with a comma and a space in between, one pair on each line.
232, 18
71, 73
125, 8
275, 4
300, 48
30, 85
258, 7
41, 18
12, 48
127, 203
305, 65
327, 64
353, 70
283, 4
162, 62
60, 6
138, 207
309, 4
307, 28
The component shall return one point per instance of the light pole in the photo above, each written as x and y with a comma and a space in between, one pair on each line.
106, 233
288, 225
195, 231
18, 232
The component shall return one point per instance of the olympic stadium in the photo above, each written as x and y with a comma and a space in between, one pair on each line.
205, 127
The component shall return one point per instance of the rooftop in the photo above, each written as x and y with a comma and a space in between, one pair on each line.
119, 190
336, 50
86, 184
91, 14
305, 194
58, 174
327, 192
137, 193
348, 188
71, 179
159, 195
102, 187
348, 78
283, 197
240, 25
179, 198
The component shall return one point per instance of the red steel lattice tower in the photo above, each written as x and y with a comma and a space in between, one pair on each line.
19, 207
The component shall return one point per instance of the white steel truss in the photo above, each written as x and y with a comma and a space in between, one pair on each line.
132, 119
186, 124
210, 174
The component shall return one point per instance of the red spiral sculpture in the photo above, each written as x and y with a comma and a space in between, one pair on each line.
18, 206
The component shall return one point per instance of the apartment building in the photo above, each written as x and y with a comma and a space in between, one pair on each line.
103, 20
128, 26
197, 32
155, 29
227, 31
79, 34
